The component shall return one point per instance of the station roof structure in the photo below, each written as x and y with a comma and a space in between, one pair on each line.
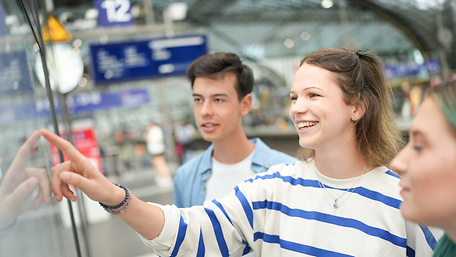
271, 28
417, 20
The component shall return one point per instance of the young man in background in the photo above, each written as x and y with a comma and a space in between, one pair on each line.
221, 91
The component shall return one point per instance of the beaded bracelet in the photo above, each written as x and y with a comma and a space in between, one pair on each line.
126, 202
5, 231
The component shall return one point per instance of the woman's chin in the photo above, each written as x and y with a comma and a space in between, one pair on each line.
413, 216
305, 144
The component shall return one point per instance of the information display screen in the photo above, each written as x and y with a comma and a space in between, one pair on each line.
145, 59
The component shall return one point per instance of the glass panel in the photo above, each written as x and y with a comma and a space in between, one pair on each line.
28, 226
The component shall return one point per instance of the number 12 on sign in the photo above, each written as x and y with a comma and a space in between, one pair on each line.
114, 12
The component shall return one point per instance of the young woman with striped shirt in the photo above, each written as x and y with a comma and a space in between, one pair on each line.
340, 200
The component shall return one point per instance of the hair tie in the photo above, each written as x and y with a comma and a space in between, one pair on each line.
360, 53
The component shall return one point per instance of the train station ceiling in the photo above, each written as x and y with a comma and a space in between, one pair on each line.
270, 28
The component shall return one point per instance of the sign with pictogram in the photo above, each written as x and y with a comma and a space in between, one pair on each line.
55, 31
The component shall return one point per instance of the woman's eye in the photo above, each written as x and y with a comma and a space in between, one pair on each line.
311, 95
417, 148
293, 98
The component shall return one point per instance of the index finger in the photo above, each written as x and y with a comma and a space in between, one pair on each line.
67, 148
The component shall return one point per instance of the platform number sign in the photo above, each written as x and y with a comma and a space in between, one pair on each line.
114, 12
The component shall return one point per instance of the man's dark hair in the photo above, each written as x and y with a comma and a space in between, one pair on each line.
216, 65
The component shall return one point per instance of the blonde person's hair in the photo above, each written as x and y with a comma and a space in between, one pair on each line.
445, 96
360, 76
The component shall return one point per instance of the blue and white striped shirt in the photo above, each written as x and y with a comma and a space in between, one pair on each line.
285, 212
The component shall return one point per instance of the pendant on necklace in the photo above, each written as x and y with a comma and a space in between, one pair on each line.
335, 205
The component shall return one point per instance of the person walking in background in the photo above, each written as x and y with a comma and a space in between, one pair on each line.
221, 86
406, 110
427, 166
340, 200
184, 136
156, 147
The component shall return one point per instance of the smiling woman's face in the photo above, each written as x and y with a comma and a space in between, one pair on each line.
318, 110
427, 166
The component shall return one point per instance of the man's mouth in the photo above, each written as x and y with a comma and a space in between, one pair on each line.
306, 124
208, 125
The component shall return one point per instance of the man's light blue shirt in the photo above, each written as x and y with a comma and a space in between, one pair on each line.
191, 177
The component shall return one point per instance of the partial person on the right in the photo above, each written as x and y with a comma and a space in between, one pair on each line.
341, 200
427, 166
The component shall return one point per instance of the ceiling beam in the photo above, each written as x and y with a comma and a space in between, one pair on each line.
202, 12
425, 44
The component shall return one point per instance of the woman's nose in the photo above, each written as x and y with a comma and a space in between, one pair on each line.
399, 162
298, 107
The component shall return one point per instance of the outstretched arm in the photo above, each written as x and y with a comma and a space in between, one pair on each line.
145, 218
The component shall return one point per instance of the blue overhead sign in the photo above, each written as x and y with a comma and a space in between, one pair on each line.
114, 13
3, 30
411, 69
145, 59
14, 73
77, 104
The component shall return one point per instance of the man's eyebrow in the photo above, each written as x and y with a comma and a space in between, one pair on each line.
218, 95
214, 95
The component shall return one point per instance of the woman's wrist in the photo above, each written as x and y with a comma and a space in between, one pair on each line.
118, 206
115, 196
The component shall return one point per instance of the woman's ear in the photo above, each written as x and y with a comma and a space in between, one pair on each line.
358, 111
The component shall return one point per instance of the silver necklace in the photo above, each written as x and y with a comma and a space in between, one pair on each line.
336, 205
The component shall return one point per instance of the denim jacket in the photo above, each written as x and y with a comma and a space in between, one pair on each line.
191, 177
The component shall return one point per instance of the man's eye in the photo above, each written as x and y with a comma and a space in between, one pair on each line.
218, 100
197, 100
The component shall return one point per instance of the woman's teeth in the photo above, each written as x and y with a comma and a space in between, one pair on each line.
306, 124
